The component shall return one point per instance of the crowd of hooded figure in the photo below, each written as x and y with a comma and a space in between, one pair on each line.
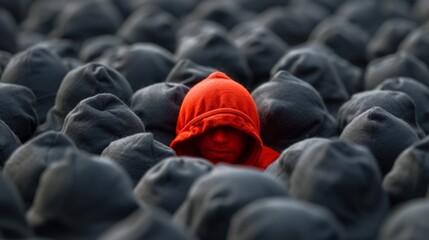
211, 120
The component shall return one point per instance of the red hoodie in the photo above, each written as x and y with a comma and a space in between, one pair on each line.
220, 101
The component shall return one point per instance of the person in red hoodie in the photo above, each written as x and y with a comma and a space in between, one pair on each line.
218, 121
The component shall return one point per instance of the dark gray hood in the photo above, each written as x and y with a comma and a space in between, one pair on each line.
80, 197
137, 153
158, 107
334, 175
29, 161
99, 120
280, 103
167, 184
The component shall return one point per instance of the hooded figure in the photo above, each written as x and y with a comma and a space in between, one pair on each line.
9, 142
84, 82
416, 44
316, 68
39, 69
148, 223
396, 103
293, 23
383, 133
167, 184
399, 64
280, 103
344, 178
99, 120
283, 167
409, 222
95, 47
409, 177
137, 153
280, 218
416, 91
81, 20
388, 37
150, 24
218, 120
142, 64
13, 224
345, 38
158, 106
80, 197
214, 199
18, 110
42, 16
188, 73
217, 50
28, 162
261, 47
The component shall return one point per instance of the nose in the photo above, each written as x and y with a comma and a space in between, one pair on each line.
220, 136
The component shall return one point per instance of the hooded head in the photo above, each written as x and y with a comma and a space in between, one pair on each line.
275, 218
215, 197
344, 178
218, 101
18, 110
137, 153
409, 177
167, 183
407, 222
80, 197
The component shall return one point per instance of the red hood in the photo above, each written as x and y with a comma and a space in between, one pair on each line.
217, 101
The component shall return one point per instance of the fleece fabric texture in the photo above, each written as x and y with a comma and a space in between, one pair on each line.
416, 43
158, 106
293, 23
399, 64
345, 38
167, 184
215, 49
39, 69
95, 47
59, 210
219, 101
42, 16
150, 24
334, 175
99, 120
383, 133
409, 177
13, 224
137, 153
146, 223
281, 218
9, 142
84, 82
9, 32
261, 47
416, 91
316, 68
280, 102
399, 104
215, 197
29, 161
128, 61
407, 222
283, 167
388, 37
225, 13
18, 110
188, 73
81, 20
